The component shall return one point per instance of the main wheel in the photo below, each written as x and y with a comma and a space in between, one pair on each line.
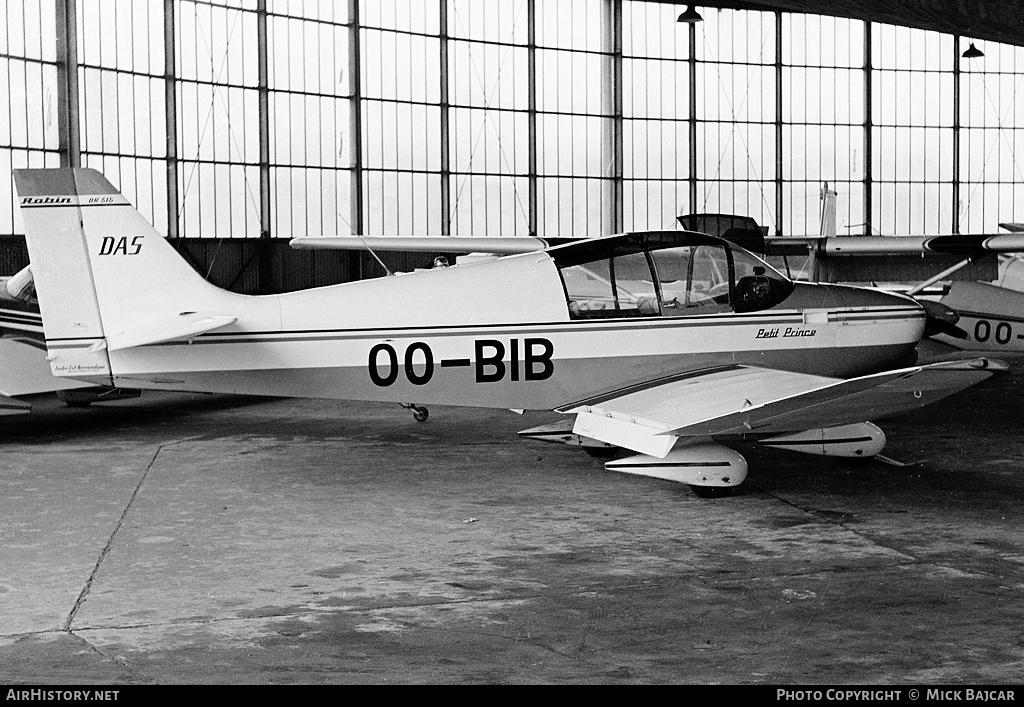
712, 491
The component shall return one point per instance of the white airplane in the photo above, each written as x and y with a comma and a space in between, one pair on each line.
662, 343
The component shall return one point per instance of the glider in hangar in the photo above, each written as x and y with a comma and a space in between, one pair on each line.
662, 343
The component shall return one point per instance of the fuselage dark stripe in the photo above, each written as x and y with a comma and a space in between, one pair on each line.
990, 317
21, 317
300, 336
777, 443
661, 465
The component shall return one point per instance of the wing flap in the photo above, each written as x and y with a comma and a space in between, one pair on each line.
629, 434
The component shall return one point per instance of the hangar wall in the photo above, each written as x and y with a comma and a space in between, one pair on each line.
266, 119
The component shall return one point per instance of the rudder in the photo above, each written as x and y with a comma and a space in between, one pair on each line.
57, 249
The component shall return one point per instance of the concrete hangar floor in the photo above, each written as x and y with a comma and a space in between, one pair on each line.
217, 539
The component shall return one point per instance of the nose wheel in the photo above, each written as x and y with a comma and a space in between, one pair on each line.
419, 413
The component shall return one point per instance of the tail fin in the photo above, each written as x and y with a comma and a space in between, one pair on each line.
104, 277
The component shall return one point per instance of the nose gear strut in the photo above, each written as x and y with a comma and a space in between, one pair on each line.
419, 413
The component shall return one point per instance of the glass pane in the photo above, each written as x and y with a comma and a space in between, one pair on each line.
634, 285
589, 287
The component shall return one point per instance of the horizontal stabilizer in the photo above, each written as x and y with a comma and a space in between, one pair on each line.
187, 325
434, 244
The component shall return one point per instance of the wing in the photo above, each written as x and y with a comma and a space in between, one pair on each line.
433, 244
743, 400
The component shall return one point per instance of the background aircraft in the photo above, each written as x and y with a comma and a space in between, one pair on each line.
25, 371
992, 313
664, 343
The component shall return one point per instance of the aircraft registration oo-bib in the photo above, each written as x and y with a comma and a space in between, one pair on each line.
662, 343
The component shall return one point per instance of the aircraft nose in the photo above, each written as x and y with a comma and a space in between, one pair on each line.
883, 328
851, 296
830, 296
938, 318
942, 319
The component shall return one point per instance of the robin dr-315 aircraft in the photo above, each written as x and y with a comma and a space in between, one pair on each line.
662, 343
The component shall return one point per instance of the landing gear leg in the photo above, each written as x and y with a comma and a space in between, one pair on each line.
419, 413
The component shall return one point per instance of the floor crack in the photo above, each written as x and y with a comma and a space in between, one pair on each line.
110, 541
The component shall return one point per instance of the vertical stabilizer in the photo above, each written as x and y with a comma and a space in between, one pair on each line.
51, 209
105, 278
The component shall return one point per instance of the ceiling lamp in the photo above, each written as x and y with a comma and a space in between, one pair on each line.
691, 16
972, 52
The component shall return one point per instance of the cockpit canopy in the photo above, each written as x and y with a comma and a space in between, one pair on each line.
666, 274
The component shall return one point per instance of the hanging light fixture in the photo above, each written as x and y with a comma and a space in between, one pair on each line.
972, 52
691, 16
